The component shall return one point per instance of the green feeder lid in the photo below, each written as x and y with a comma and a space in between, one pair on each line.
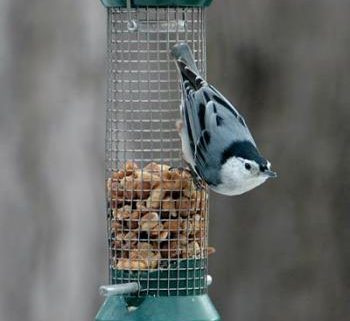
157, 3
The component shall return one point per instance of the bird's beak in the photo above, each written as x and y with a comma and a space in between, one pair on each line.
270, 173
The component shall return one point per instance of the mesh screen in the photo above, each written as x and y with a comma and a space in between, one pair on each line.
157, 218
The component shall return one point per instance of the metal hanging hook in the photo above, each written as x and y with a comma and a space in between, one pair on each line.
132, 25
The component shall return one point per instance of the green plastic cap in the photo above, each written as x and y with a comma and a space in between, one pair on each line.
157, 3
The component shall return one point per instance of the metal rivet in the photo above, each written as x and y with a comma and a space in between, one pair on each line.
132, 25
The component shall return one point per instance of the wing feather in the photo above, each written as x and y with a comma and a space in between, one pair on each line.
214, 123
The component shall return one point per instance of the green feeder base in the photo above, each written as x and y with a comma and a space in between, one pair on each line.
152, 308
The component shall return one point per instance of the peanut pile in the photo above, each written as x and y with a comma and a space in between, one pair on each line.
157, 215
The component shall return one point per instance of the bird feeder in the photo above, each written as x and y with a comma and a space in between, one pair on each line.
157, 218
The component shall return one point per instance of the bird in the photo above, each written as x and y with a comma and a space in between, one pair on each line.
215, 139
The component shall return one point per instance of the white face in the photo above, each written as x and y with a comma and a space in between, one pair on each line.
239, 176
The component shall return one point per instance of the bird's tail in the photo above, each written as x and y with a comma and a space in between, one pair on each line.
183, 53
186, 64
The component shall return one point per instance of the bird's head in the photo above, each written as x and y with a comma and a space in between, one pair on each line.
253, 169
243, 169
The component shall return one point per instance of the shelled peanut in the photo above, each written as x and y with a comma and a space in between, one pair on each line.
157, 214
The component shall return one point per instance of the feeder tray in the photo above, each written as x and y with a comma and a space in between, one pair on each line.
157, 219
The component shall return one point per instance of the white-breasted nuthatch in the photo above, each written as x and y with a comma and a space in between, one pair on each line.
216, 142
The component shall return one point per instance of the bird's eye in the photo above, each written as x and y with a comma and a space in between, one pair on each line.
247, 166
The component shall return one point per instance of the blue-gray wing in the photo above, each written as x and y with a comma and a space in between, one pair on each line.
213, 124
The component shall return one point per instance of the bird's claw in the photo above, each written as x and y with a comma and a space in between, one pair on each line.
198, 182
181, 169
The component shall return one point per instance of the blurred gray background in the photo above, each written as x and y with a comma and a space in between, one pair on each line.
283, 250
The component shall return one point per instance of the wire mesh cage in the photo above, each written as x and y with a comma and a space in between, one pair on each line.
157, 218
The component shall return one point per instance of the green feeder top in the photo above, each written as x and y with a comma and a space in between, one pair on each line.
158, 3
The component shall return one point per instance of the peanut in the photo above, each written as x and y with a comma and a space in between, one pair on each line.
113, 191
116, 226
168, 205
157, 213
173, 225
155, 198
191, 250
211, 250
126, 187
156, 168
153, 260
198, 223
159, 232
130, 167
142, 189
118, 175
122, 213
140, 205
133, 221
142, 251
186, 227
183, 205
128, 264
149, 221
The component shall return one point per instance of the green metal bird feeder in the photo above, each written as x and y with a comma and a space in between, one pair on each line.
157, 218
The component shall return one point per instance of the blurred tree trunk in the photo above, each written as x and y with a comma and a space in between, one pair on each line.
285, 66
52, 225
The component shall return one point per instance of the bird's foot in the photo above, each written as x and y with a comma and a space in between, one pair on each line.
198, 182
181, 169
